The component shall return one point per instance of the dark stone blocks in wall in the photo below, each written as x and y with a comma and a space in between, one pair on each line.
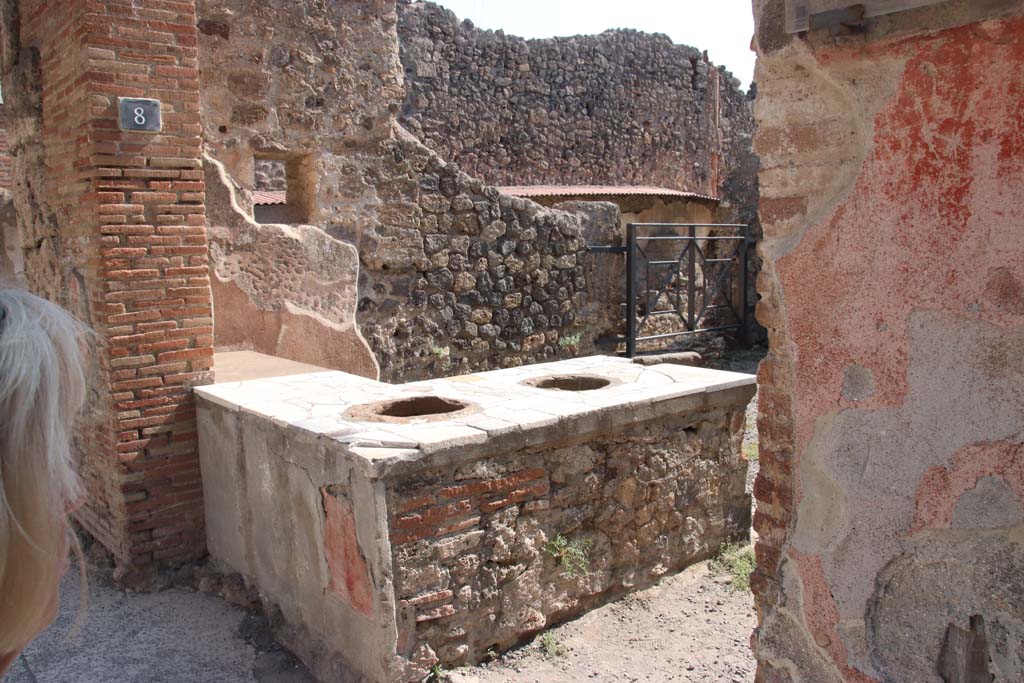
622, 107
483, 280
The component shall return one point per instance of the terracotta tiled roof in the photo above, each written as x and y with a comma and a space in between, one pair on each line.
598, 190
263, 197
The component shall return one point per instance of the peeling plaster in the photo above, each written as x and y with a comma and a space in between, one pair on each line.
892, 291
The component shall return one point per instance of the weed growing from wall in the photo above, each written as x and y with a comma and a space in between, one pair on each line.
750, 452
574, 556
569, 341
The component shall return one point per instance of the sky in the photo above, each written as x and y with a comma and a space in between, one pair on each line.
722, 27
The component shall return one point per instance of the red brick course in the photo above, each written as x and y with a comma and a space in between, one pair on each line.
436, 515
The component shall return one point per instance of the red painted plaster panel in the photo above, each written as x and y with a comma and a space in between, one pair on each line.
932, 223
350, 579
941, 488
937, 205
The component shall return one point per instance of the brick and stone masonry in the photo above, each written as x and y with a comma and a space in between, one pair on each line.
111, 225
891, 490
472, 548
445, 275
451, 276
389, 544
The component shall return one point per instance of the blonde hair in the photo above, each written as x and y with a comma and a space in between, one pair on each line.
42, 387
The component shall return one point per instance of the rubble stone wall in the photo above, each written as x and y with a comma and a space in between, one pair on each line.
287, 291
6, 170
306, 90
270, 175
452, 276
478, 280
12, 258
622, 107
11, 254
619, 108
891, 490
479, 551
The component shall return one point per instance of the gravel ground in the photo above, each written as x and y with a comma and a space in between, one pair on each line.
174, 636
692, 627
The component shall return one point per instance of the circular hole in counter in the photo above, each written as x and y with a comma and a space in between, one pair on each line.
420, 406
569, 382
409, 409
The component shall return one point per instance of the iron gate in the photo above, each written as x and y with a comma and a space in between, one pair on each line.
689, 274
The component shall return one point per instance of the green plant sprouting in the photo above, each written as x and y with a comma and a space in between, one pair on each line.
737, 561
567, 341
436, 675
550, 646
751, 451
574, 556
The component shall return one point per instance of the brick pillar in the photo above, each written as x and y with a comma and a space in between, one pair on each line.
121, 220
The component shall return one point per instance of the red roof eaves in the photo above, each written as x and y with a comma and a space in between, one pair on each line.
599, 190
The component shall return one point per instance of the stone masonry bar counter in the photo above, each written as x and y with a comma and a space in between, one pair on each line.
395, 526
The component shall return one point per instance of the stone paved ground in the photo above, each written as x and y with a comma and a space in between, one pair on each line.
692, 627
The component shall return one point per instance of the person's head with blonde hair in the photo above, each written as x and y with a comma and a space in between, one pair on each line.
42, 386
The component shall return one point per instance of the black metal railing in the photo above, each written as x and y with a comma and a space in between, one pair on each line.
700, 279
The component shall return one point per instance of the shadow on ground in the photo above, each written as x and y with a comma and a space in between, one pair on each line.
174, 636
